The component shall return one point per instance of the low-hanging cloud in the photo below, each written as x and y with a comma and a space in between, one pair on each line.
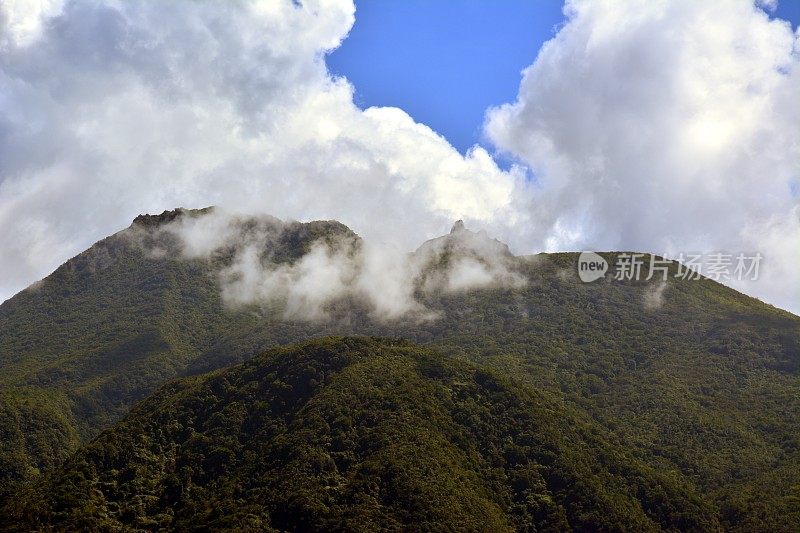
654, 295
320, 277
257, 263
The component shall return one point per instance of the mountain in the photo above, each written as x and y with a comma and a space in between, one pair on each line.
355, 434
108, 327
689, 379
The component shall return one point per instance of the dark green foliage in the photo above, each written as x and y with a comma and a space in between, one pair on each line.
704, 389
35, 434
355, 434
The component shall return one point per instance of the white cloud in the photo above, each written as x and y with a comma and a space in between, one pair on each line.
319, 278
664, 126
110, 109
21, 21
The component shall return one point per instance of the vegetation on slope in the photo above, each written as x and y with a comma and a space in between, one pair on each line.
355, 434
105, 330
705, 388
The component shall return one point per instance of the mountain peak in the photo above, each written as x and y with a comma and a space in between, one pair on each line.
458, 227
463, 241
151, 221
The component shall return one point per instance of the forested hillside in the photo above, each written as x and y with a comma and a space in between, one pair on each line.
355, 434
703, 388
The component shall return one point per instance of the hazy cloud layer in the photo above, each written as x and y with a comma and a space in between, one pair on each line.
648, 125
665, 126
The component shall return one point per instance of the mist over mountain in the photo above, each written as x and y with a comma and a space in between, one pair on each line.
308, 267
686, 378
494, 266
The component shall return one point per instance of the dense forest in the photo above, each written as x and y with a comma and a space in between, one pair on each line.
356, 434
553, 403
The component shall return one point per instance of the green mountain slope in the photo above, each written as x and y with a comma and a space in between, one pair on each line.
704, 388
105, 330
355, 434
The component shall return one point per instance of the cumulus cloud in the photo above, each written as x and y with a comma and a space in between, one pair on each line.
111, 109
664, 126
21, 21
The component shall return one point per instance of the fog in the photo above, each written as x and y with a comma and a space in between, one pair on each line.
250, 258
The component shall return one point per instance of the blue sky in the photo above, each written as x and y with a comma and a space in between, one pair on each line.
789, 10
445, 63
